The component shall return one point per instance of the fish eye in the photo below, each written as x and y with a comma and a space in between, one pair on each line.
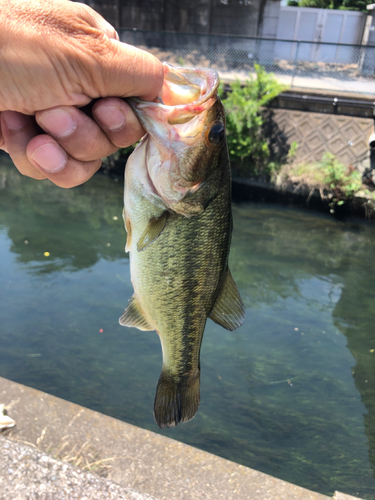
216, 133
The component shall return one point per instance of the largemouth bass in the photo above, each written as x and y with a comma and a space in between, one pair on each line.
179, 223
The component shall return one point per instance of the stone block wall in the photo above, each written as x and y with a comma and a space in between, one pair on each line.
317, 133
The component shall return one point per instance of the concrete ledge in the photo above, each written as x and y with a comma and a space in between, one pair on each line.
26, 473
133, 457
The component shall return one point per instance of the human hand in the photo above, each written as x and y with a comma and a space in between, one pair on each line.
82, 61
76, 144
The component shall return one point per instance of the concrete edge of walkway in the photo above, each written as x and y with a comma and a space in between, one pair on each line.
137, 460
325, 85
26, 473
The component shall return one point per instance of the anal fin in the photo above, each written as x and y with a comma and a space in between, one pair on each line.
228, 310
133, 316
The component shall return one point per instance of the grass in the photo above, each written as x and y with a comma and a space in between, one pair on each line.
82, 456
79, 455
331, 178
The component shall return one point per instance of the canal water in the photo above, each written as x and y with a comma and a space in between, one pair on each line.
291, 393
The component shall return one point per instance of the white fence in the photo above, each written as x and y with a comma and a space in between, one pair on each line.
320, 26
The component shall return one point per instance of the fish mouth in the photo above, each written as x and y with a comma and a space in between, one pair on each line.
186, 93
184, 86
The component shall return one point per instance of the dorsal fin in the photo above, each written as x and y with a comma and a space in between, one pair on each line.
133, 316
228, 310
153, 230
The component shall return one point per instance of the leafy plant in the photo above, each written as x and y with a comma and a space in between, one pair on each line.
333, 179
320, 4
358, 5
247, 142
341, 180
293, 150
354, 5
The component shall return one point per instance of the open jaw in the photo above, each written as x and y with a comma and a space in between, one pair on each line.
186, 94
187, 86
175, 123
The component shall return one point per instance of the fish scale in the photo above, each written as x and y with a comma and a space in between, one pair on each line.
187, 244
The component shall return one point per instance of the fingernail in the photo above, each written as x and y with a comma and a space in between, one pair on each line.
50, 158
57, 122
111, 117
14, 121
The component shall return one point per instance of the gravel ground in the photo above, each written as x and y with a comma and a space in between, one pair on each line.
28, 474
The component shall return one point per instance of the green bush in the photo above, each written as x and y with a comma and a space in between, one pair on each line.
339, 179
328, 176
355, 5
319, 4
247, 142
358, 5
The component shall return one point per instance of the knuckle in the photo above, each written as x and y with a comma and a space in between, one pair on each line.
94, 152
78, 173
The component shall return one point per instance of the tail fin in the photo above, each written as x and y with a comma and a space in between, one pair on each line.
176, 400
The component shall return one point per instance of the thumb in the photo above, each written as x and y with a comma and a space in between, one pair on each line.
129, 71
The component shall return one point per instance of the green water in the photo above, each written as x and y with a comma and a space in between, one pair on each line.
291, 393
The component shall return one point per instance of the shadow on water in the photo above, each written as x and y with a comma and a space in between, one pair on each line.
291, 393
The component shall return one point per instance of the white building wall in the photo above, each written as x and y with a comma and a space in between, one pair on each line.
321, 25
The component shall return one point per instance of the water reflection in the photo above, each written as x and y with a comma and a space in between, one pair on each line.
41, 217
323, 269
354, 316
285, 394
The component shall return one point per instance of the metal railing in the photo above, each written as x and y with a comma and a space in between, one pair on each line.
298, 64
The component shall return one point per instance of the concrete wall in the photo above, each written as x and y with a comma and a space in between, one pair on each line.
317, 133
234, 17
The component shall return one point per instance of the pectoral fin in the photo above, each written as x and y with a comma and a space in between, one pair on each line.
133, 316
128, 229
153, 230
228, 310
